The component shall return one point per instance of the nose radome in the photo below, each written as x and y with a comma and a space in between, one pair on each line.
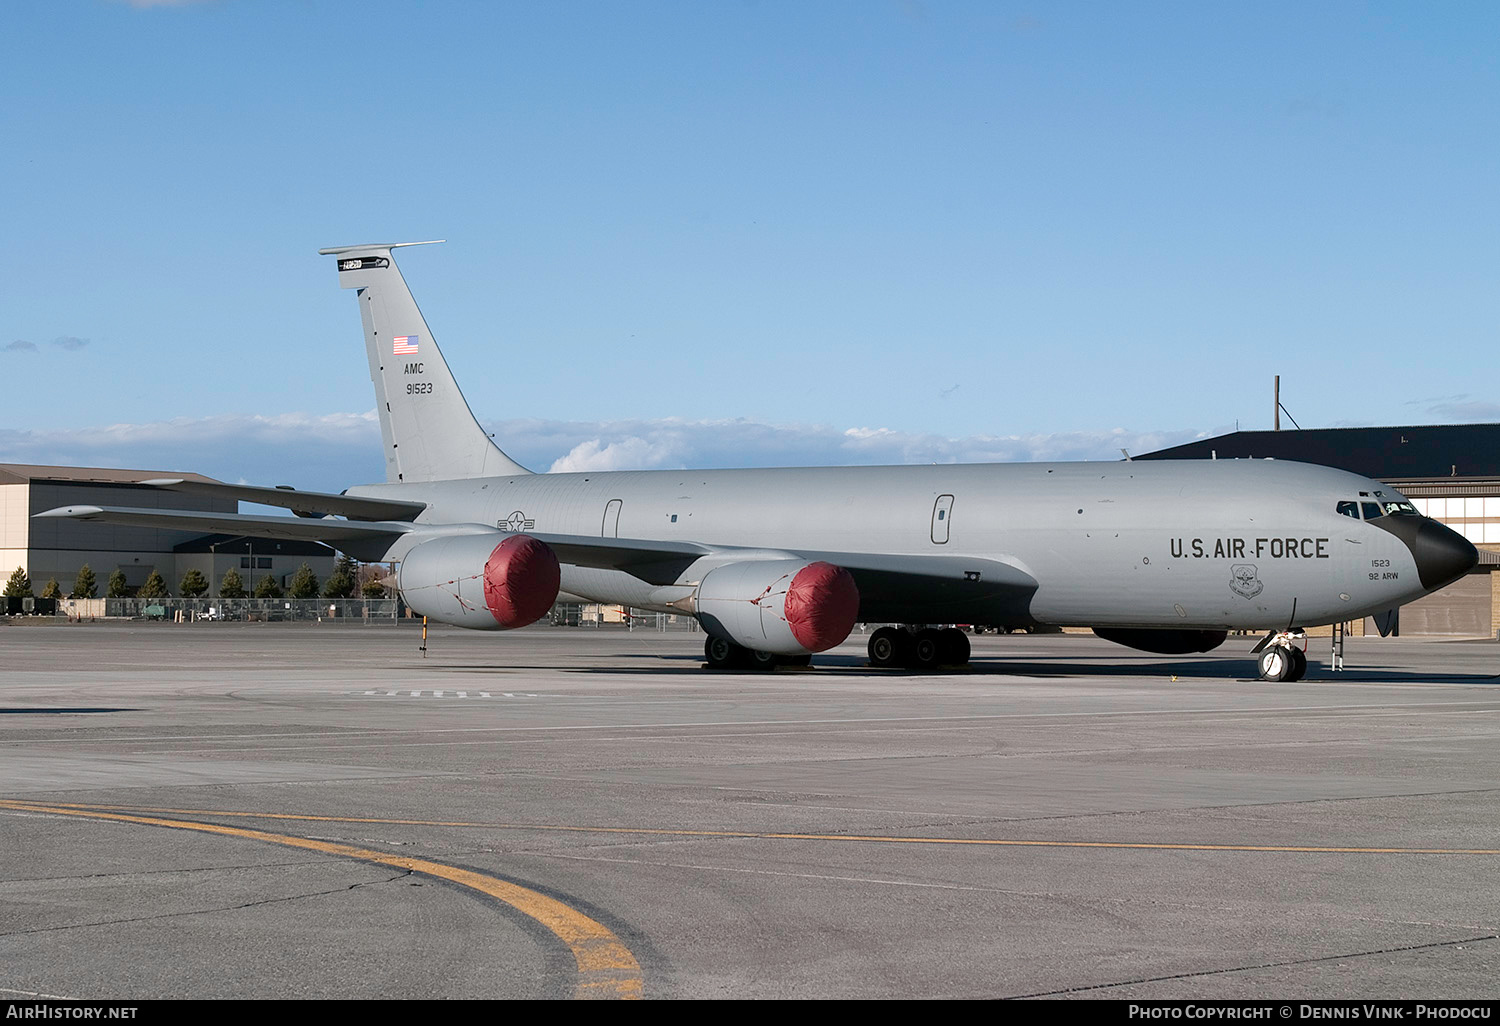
1442, 554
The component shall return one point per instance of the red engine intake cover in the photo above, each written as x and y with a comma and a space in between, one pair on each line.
822, 603
521, 579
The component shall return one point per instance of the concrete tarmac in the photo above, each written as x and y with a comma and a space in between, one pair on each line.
268, 810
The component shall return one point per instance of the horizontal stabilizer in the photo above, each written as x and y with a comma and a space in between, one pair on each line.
374, 247
303, 502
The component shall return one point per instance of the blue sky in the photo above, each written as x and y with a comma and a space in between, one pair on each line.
745, 233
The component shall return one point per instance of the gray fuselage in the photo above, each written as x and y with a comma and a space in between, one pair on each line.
1236, 544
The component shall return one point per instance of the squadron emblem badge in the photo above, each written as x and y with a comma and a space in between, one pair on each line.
1244, 580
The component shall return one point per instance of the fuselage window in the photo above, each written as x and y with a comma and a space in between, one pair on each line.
1349, 509
1372, 510
1400, 509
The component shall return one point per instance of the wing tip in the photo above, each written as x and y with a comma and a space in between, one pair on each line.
70, 511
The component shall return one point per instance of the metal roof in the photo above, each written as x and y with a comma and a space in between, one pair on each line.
1431, 453
20, 473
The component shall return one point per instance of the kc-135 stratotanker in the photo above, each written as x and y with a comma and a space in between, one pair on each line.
779, 564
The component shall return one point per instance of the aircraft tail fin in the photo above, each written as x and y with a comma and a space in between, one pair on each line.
426, 425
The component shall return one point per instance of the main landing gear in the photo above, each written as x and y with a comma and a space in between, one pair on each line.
1280, 658
925, 648
726, 655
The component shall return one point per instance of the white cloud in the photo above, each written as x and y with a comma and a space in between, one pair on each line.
1462, 408
673, 443
310, 450
631, 453
333, 451
1469, 411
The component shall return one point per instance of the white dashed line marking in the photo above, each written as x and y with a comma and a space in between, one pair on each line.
444, 693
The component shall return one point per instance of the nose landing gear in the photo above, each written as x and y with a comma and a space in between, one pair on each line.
1280, 658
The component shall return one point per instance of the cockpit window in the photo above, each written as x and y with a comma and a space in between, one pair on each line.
1349, 509
1372, 510
1399, 509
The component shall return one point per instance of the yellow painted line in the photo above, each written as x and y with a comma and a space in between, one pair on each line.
750, 834
606, 968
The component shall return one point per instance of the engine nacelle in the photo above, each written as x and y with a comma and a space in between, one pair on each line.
473, 581
785, 606
1164, 642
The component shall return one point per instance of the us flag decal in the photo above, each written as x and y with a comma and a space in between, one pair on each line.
406, 345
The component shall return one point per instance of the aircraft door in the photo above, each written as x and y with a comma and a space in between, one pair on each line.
610, 527
942, 516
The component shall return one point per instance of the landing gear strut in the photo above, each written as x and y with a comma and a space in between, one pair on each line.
923, 649
1281, 659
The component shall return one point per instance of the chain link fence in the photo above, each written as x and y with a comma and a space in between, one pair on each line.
591, 614
336, 611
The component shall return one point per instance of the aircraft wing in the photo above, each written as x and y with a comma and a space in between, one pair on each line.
655, 562
304, 504
339, 533
896, 588
877, 574
892, 587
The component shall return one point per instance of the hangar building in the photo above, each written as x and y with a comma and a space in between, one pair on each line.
58, 548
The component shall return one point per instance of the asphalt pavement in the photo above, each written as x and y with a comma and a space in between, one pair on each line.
288, 810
